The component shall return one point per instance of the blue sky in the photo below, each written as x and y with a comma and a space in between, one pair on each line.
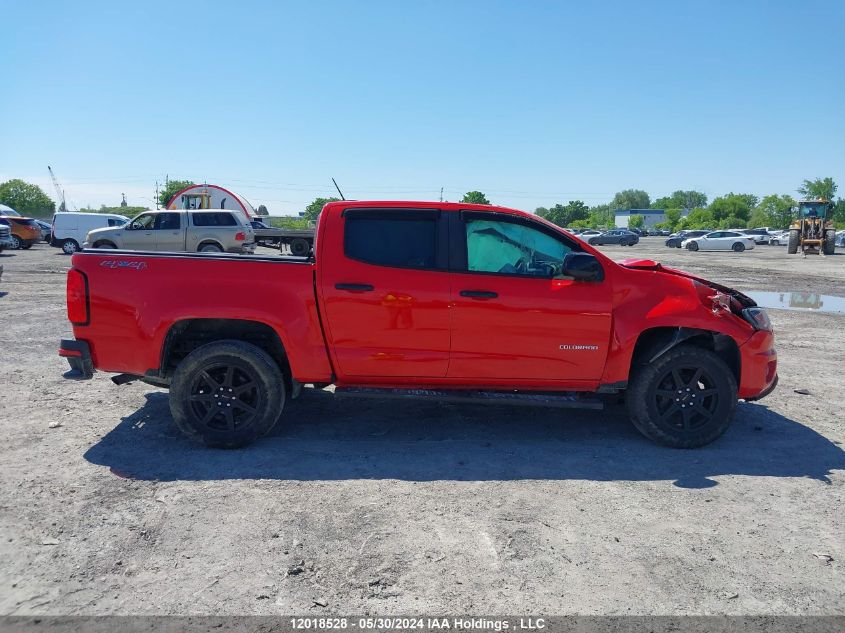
532, 102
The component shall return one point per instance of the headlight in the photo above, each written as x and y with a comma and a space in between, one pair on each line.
757, 317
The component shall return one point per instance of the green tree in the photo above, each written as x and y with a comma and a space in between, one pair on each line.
697, 219
312, 211
737, 205
474, 197
565, 215
631, 199
171, 189
636, 221
541, 212
26, 198
818, 188
839, 213
681, 200
773, 210
602, 215
673, 216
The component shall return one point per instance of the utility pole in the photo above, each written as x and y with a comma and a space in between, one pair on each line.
156, 198
441, 194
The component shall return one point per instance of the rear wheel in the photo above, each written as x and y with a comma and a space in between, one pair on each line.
684, 399
299, 247
70, 247
829, 245
738, 247
792, 245
210, 248
227, 394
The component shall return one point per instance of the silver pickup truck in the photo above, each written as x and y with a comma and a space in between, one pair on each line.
206, 231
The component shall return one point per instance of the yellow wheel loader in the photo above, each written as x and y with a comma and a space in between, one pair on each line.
812, 232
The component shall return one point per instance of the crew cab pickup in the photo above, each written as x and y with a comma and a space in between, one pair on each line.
420, 299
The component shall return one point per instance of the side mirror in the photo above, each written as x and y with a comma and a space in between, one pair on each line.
582, 267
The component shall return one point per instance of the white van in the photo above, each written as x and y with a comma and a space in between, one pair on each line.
71, 228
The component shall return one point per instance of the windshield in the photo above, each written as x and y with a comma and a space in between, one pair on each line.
812, 209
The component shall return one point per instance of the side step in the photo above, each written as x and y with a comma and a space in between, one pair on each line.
561, 400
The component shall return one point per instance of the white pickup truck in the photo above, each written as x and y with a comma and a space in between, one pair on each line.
204, 231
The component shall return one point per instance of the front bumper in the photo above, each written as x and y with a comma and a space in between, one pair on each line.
759, 363
78, 354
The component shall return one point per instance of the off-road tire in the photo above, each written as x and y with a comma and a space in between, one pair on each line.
227, 394
657, 397
829, 245
738, 247
792, 244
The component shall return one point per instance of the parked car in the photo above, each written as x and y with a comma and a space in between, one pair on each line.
761, 236
839, 240
25, 232
585, 233
639, 232
780, 238
622, 237
400, 300
720, 241
676, 239
204, 231
70, 228
5, 237
46, 230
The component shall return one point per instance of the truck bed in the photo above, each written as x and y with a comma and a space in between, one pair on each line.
137, 297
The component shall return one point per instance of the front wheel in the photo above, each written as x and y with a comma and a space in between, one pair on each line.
829, 244
16, 243
738, 247
792, 245
692, 246
684, 399
227, 394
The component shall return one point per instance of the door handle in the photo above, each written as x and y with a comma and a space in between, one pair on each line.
355, 287
479, 294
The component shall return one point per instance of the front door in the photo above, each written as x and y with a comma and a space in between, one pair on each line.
514, 315
385, 289
138, 234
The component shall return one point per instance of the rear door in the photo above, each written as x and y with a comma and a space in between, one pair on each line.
385, 289
514, 315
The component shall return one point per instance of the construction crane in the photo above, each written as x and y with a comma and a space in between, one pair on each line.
59, 191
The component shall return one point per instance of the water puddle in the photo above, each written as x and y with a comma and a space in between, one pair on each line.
802, 301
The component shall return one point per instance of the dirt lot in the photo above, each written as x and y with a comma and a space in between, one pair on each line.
384, 508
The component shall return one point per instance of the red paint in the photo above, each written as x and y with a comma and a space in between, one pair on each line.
414, 328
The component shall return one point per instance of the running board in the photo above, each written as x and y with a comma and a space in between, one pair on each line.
561, 400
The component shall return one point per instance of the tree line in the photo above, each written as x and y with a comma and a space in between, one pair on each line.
732, 210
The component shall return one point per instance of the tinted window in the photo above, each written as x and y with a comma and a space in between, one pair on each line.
213, 219
728, 234
391, 242
495, 246
168, 221
113, 222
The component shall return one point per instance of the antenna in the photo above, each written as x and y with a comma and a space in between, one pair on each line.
338, 189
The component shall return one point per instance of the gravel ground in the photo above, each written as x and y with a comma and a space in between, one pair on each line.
384, 508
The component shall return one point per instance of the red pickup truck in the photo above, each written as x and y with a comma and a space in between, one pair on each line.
420, 299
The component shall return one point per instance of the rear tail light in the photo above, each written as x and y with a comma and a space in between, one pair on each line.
240, 236
758, 317
77, 297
